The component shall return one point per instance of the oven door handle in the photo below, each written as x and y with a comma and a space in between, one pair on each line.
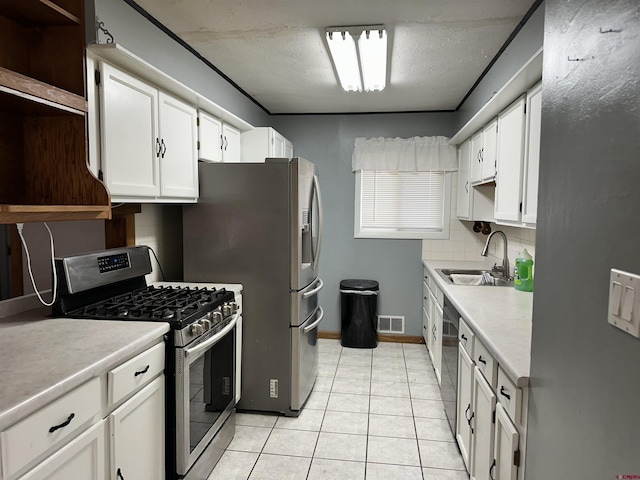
308, 328
311, 293
205, 345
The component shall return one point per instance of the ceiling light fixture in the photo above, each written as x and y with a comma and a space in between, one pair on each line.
367, 65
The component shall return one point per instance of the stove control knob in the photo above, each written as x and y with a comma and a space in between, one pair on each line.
206, 324
234, 307
196, 329
226, 310
217, 317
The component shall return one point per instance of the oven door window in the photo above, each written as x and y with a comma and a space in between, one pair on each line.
211, 388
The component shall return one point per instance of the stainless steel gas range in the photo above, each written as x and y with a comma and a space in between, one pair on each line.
202, 363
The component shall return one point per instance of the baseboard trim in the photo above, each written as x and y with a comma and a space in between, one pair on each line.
381, 338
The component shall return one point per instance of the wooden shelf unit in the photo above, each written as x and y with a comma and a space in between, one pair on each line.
43, 115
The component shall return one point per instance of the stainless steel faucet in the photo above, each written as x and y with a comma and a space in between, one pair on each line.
504, 269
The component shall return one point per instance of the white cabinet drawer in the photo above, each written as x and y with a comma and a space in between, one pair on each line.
466, 338
509, 396
486, 363
37, 433
135, 373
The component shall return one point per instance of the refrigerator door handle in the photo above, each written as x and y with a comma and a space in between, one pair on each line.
307, 329
315, 290
316, 192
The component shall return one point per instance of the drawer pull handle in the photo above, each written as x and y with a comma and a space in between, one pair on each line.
141, 372
63, 424
482, 360
466, 411
469, 421
502, 392
493, 465
120, 474
462, 336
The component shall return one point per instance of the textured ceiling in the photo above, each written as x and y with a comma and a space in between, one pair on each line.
276, 52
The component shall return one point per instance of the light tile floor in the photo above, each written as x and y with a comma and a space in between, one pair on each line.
374, 414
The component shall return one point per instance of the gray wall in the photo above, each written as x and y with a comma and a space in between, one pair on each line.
583, 419
328, 142
135, 33
527, 42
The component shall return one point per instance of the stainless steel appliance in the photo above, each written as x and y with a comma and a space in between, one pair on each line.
201, 349
260, 224
449, 375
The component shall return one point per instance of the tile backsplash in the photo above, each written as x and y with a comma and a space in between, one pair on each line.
465, 244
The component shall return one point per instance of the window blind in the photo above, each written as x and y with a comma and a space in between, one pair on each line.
402, 201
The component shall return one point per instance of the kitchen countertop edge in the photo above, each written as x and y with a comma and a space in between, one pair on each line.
517, 367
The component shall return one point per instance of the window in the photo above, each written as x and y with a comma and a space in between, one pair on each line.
394, 204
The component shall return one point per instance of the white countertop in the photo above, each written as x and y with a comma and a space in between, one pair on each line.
499, 316
43, 358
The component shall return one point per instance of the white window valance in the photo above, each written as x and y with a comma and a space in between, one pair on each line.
417, 154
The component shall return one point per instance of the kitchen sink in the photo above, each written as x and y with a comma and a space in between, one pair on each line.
468, 277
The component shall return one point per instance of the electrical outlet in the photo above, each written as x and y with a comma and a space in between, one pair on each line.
624, 302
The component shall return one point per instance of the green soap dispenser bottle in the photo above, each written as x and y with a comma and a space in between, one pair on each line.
523, 275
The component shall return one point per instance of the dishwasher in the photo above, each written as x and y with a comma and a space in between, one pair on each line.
450, 323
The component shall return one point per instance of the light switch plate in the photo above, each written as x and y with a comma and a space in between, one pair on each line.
624, 301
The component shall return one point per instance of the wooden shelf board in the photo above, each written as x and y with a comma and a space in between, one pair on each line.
38, 12
523, 80
33, 90
52, 213
122, 58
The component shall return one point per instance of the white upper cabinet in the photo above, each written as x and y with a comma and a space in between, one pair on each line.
178, 155
464, 186
148, 140
483, 154
129, 139
264, 142
532, 156
217, 141
511, 128
231, 144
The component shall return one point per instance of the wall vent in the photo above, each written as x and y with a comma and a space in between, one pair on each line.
390, 324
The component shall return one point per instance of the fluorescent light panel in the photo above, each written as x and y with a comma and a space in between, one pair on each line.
372, 47
343, 50
373, 59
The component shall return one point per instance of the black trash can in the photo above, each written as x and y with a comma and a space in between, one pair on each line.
358, 311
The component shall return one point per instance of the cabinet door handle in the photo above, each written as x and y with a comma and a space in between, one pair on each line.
226, 143
503, 393
164, 148
463, 337
482, 360
221, 142
482, 154
466, 186
493, 465
473, 414
141, 372
467, 411
120, 476
158, 148
63, 424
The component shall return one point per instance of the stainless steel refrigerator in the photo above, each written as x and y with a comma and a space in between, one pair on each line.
260, 224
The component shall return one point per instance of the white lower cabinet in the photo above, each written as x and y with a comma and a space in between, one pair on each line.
432, 303
464, 407
83, 458
491, 414
67, 438
482, 410
137, 435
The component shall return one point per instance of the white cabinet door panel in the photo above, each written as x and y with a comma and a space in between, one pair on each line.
464, 407
511, 123
129, 124
489, 150
137, 435
210, 138
178, 155
532, 156
464, 185
506, 446
230, 144
476, 157
484, 404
